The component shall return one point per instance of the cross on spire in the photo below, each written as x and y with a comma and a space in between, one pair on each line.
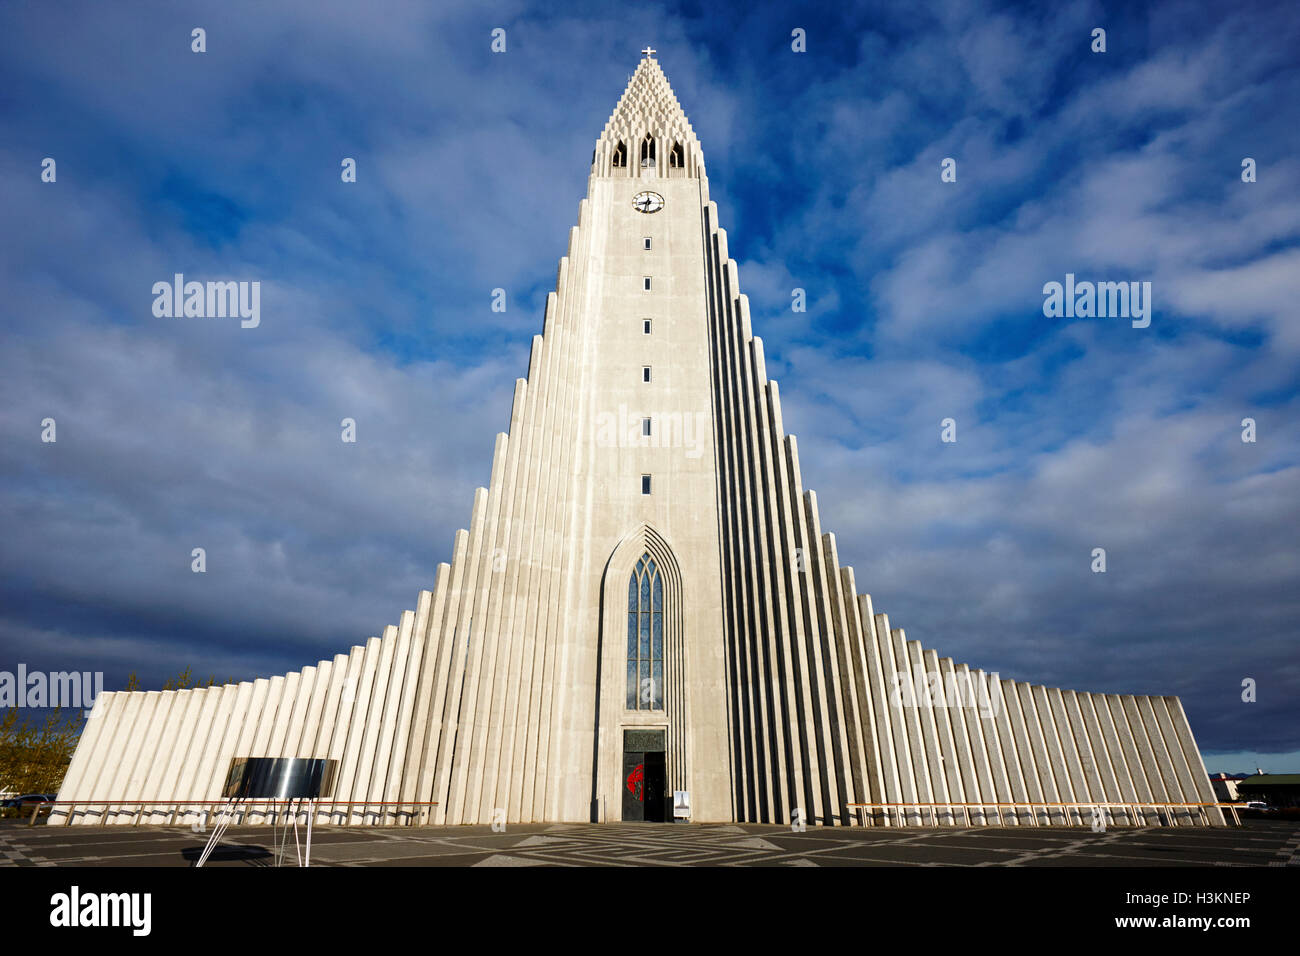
649, 51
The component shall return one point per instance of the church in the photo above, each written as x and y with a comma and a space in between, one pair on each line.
645, 618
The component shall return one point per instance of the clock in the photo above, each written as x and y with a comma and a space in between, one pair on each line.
647, 202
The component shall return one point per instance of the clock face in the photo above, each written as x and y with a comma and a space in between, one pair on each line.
647, 202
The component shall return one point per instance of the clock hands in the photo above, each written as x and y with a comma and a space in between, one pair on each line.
648, 202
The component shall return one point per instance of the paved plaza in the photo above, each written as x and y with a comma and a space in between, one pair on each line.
633, 844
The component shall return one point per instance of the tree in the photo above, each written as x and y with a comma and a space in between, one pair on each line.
182, 681
34, 756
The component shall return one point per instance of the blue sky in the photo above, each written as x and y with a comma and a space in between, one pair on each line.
924, 302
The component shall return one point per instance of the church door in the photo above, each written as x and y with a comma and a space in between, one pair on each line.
645, 778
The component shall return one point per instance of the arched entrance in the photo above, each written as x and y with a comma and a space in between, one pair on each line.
642, 738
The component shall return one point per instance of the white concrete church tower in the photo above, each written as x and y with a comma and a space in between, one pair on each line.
645, 602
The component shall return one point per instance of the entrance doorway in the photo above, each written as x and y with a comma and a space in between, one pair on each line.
645, 776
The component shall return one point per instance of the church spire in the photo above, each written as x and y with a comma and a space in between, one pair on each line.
648, 134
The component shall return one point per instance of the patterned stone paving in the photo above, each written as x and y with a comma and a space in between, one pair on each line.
1257, 844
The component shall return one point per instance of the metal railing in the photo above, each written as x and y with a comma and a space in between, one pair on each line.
268, 808
327, 808
1132, 811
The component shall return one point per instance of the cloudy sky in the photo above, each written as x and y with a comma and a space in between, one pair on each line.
924, 303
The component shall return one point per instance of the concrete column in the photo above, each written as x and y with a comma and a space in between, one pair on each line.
299, 708
1133, 756
238, 727
437, 744
543, 788
140, 712
79, 781
980, 756
774, 567
901, 702
451, 749
1094, 765
342, 731
119, 716
484, 642
878, 698
155, 753
494, 784
363, 779
941, 710
981, 716
973, 718
289, 707
910, 705
177, 753
346, 790
1003, 738
745, 357
1201, 785
196, 781
1122, 782
305, 745
1177, 773
427, 632
789, 633
829, 679
396, 709
1047, 770
962, 775
1073, 768
399, 759
872, 786
520, 743
1155, 762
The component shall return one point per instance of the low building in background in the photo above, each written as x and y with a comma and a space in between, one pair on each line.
1275, 789
1226, 785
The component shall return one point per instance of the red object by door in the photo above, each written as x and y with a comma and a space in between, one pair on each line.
635, 781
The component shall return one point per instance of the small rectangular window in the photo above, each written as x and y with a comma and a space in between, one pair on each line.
645, 242
646, 286
645, 484
645, 427
645, 373
645, 326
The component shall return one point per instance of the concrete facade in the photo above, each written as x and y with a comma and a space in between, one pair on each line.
780, 691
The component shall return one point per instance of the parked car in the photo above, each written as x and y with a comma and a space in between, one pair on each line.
29, 799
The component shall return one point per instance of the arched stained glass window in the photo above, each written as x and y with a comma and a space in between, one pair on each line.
645, 637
